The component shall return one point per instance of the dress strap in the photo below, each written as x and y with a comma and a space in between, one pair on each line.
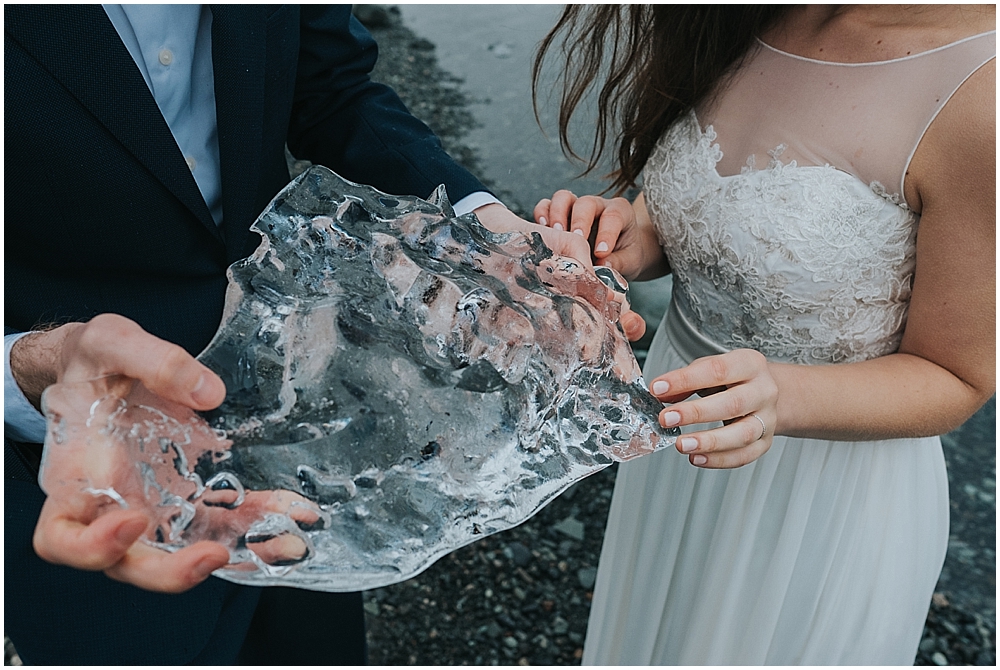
977, 51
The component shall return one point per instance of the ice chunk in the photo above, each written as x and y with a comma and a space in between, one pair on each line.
401, 382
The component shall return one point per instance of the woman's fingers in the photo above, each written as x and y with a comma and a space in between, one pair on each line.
560, 209
709, 372
616, 215
735, 388
736, 435
732, 403
734, 458
541, 212
586, 211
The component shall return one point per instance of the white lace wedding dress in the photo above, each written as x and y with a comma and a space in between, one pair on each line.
819, 552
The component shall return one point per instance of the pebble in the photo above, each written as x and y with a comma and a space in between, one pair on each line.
587, 577
570, 527
519, 553
939, 658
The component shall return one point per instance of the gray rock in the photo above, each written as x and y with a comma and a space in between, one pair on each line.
519, 553
587, 577
570, 527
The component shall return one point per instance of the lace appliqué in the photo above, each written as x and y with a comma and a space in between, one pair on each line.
804, 264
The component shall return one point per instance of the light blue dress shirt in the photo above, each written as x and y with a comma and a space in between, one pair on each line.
172, 47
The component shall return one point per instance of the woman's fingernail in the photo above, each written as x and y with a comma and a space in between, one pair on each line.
699, 460
659, 388
601, 246
688, 444
557, 226
542, 221
671, 419
578, 231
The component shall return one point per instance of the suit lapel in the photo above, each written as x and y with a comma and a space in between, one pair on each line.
79, 47
238, 53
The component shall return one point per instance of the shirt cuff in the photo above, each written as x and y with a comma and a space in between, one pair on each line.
21, 421
474, 201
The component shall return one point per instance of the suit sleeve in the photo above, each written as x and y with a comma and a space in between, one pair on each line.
355, 126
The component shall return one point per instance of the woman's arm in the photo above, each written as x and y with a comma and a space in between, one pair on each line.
945, 367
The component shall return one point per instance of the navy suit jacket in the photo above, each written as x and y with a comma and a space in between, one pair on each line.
103, 215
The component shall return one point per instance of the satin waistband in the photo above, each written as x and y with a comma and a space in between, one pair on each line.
687, 340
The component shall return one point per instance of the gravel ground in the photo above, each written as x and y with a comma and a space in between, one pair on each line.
523, 596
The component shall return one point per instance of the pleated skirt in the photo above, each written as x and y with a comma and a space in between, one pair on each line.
817, 553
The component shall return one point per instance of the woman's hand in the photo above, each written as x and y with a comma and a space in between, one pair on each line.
736, 388
499, 219
624, 238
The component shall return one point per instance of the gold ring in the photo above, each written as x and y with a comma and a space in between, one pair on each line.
763, 426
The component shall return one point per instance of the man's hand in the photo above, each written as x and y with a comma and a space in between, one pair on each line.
69, 531
499, 219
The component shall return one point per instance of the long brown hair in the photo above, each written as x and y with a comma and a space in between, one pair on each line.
662, 60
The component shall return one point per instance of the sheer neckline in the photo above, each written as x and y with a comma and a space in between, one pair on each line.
878, 62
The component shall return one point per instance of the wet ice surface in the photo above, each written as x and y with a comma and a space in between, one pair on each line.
400, 382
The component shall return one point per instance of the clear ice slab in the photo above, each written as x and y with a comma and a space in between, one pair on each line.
400, 382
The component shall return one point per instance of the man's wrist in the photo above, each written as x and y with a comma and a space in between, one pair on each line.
474, 201
34, 361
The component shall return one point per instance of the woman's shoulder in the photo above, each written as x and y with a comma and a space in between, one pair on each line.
958, 150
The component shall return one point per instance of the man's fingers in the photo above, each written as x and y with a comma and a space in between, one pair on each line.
282, 549
98, 545
633, 325
112, 344
155, 570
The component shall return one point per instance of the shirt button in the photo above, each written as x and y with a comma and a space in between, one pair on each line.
166, 57
192, 163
